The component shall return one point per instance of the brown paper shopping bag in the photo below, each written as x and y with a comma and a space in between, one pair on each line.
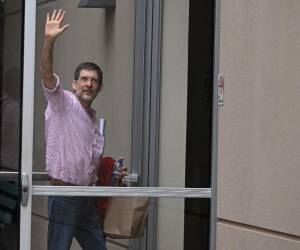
126, 217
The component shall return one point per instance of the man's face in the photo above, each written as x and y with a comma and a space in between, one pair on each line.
87, 86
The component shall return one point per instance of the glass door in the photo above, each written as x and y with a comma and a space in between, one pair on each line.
11, 82
125, 40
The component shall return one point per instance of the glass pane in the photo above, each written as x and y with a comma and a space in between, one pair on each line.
10, 101
171, 217
103, 36
106, 36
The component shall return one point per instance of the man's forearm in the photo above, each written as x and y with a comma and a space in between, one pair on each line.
53, 29
46, 66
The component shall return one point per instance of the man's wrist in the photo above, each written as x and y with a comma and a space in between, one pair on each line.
49, 39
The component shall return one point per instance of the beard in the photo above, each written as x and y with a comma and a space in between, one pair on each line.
86, 95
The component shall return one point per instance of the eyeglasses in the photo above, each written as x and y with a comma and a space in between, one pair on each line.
85, 79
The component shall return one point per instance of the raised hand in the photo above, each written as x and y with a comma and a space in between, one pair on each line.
53, 26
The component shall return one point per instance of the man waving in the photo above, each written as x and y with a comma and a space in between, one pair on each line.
73, 146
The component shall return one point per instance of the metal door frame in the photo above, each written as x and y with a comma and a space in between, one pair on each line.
146, 105
214, 150
27, 117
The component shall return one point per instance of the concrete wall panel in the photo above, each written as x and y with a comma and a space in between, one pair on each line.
258, 161
235, 237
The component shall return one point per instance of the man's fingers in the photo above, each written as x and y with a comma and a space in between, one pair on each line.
64, 28
122, 174
61, 18
58, 15
53, 15
124, 168
122, 171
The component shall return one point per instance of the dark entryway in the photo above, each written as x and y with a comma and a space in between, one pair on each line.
199, 122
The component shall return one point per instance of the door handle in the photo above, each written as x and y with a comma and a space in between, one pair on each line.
25, 189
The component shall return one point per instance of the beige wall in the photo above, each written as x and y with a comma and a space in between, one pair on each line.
107, 38
234, 237
258, 154
173, 106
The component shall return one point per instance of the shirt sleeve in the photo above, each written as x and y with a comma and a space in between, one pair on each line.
58, 99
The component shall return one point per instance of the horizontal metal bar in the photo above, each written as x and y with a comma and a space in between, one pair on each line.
8, 176
97, 4
163, 192
12, 176
43, 176
40, 176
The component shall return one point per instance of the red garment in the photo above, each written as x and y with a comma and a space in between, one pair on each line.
104, 179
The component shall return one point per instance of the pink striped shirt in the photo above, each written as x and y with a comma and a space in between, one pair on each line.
73, 140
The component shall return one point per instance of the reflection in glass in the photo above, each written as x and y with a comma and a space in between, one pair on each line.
10, 87
10, 111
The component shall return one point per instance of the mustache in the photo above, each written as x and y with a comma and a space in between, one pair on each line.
88, 91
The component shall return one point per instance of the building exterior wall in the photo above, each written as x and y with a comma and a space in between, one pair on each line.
258, 158
235, 237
